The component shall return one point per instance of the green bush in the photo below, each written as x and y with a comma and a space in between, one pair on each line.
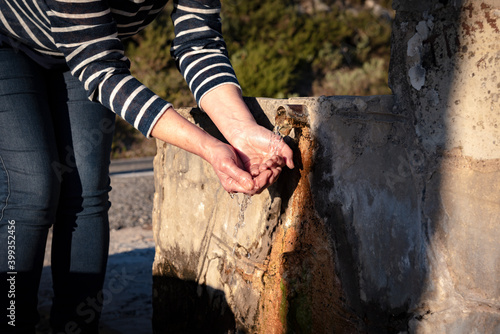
279, 51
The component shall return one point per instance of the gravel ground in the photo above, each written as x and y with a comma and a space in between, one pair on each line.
131, 200
128, 310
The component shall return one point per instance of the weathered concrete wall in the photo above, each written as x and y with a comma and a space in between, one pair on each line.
277, 273
389, 224
446, 77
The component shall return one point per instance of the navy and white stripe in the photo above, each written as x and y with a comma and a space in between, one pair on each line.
87, 34
202, 60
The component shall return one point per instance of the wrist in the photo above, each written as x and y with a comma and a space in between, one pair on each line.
239, 134
225, 106
207, 148
174, 129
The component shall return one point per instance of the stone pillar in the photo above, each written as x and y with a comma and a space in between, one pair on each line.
389, 223
445, 73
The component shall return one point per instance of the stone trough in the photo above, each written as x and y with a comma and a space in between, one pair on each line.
388, 224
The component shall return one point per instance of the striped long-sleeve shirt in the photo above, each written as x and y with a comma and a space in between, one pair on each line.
86, 35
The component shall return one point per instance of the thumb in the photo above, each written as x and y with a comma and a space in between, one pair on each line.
287, 154
242, 177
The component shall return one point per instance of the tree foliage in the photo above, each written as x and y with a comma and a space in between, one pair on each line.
279, 50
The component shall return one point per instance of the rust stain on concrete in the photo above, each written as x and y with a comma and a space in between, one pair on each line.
301, 291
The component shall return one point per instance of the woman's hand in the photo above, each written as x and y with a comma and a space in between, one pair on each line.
176, 130
252, 166
256, 157
229, 169
263, 153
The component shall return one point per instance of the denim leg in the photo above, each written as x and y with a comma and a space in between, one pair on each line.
84, 132
54, 159
29, 189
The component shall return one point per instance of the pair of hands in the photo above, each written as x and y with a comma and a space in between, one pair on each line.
249, 165
255, 157
253, 162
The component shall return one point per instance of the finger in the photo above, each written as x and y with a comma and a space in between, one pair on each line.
231, 186
262, 180
254, 169
275, 161
275, 175
243, 178
278, 160
287, 154
266, 179
263, 167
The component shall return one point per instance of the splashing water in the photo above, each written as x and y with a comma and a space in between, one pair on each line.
276, 130
274, 145
247, 199
275, 141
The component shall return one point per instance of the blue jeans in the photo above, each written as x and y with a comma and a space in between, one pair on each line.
54, 161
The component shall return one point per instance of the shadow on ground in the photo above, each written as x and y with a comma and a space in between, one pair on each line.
127, 294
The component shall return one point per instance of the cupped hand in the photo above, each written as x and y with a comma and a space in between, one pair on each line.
262, 153
230, 170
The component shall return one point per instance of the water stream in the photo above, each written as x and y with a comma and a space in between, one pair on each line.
247, 199
274, 144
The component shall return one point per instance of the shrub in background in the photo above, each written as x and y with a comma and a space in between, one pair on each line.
277, 50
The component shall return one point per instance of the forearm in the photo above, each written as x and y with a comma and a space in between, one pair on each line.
174, 129
226, 108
